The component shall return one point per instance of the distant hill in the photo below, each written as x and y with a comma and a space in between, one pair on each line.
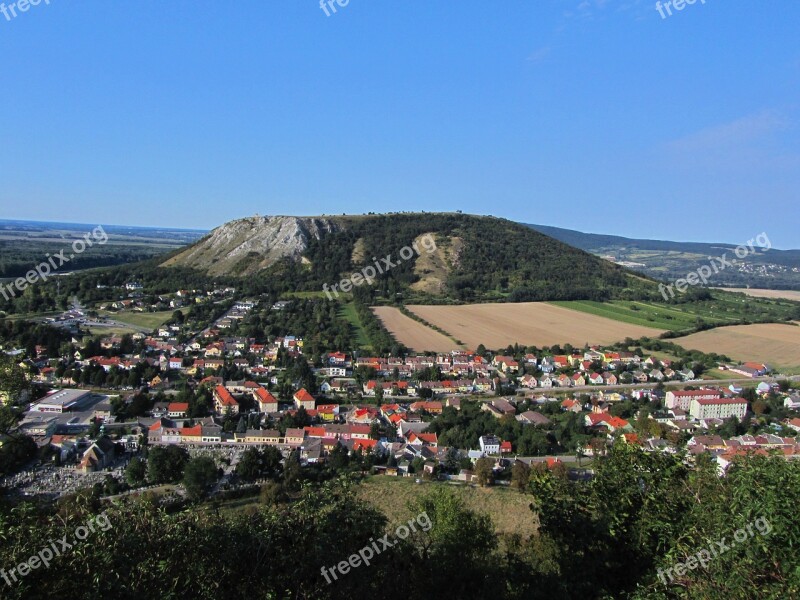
775, 269
471, 258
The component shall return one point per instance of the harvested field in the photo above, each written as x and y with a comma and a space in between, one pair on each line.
774, 294
529, 323
772, 343
411, 333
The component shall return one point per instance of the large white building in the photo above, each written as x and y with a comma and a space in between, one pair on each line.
683, 398
63, 401
720, 408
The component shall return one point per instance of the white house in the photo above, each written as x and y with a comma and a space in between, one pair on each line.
489, 444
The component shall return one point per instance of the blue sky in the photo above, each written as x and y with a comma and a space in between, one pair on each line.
596, 115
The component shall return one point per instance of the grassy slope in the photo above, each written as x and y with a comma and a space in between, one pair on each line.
507, 508
348, 311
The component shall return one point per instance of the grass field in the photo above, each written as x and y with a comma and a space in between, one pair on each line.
321, 295
529, 323
411, 333
112, 331
772, 343
649, 314
144, 320
348, 311
508, 509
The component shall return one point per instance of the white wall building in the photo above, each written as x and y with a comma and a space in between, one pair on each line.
721, 408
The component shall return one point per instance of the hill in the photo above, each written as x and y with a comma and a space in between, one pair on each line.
772, 269
435, 256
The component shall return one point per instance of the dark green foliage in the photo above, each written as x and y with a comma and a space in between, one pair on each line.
199, 476
165, 464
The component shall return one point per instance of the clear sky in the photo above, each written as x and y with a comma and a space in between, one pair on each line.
596, 115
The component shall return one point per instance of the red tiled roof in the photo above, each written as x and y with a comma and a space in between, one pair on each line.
264, 396
302, 395
225, 396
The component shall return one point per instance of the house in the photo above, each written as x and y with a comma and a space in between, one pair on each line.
605, 420
505, 448
794, 424
504, 406
528, 381
489, 444
792, 402
596, 379
432, 407
530, 417
294, 437
267, 403
177, 410
224, 402
337, 359
506, 364
751, 369
263, 436
571, 405
328, 412
578, 379
302, 399
719, 408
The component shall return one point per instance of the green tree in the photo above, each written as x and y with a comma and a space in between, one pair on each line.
483, 471
136, 472
520, 475
199, 477
165, 464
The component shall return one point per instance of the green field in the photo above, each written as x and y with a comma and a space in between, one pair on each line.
321, 295
723, 309
348, 311
508, 509
145, 320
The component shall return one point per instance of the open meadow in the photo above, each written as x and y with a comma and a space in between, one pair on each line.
508, 509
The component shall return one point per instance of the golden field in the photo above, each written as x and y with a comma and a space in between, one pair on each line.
411, 333
528, 323
773, 343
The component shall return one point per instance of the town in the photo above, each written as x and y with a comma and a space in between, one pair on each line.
101, 404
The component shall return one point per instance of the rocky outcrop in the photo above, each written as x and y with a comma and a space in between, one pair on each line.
246, 246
